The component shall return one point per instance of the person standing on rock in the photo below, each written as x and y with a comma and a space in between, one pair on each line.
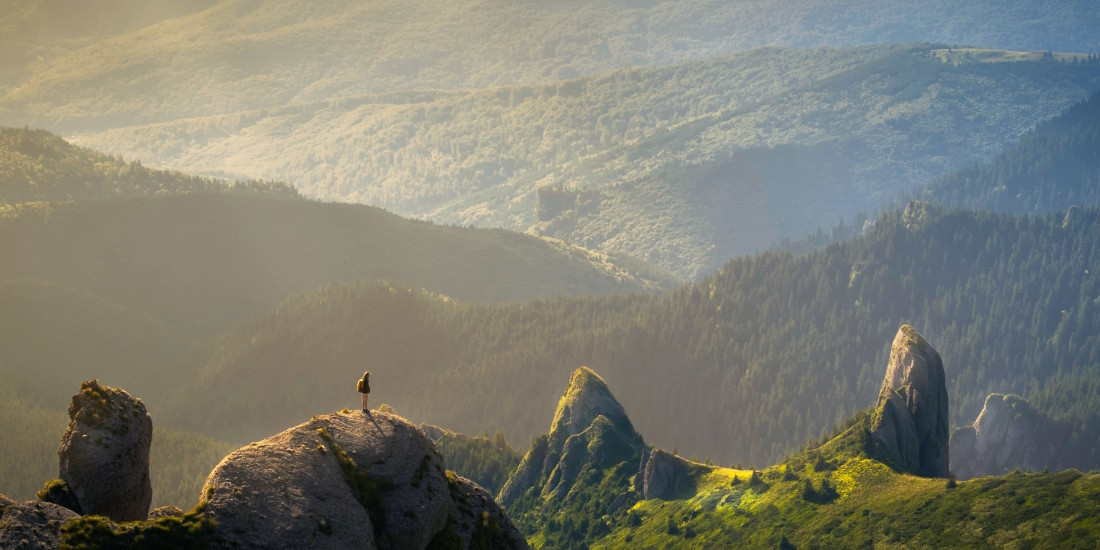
363, 387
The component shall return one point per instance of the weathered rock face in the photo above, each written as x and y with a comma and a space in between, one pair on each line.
909, 427
478, 520
1008, 434
104, 454
165, 512
4, 502
590, 427
33, 524
299, 489
662, 474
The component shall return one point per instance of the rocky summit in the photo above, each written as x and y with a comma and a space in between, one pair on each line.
28, 525
910, 424
662, 474
590, 430
1008, 434
104, 454
347, 480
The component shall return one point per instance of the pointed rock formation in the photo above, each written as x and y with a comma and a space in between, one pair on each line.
104, 455
909, 427
1009, 434
31, 524
662, 474
340, 481
590, 429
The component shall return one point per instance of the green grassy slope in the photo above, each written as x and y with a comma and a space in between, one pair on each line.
1009, 301
241, 54
685, 166
872, 506
36, 165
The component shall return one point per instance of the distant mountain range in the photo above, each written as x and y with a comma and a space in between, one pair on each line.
683, 166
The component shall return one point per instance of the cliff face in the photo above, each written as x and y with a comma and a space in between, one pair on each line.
590, 430
104, 454
910, 423
1008, 434
365, 480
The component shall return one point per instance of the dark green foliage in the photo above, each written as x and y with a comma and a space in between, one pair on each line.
447, 538
476, 458
58, 492
194, 530
1052, 168
486, 532
824, 494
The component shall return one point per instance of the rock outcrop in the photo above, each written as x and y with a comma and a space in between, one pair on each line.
104, 454
4, 503
910, 424
478, 521
664, 475
31, 524
338, 481
1008, 434
590, 430
166, 512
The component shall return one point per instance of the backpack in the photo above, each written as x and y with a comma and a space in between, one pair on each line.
359, 387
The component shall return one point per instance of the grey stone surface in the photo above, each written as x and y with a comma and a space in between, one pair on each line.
33, 525
1008, 434
475, 510
910, 425
104, 454
664, 475
289, 490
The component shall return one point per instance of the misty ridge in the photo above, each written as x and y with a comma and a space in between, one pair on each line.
690, 237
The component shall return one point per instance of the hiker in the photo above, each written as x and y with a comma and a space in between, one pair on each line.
363, 387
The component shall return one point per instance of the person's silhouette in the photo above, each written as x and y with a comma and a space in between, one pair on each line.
363, 387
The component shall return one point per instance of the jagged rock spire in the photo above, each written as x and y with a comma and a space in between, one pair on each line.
910, 425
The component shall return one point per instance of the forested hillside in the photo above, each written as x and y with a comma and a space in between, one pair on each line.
34, 31
683, 166
743, 366
36, 165
1052, 168
245, 54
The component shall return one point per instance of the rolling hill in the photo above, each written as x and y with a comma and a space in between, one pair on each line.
1009, 300
684, 166
247, 54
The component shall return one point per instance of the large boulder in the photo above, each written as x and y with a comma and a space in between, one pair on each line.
662, 474
346, 480
910, 424
477, 519
33, 525
104, 454
590, 429
1008, 434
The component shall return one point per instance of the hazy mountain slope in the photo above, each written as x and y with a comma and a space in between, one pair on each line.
34, 31
248, 54
685, 166
1052, 168
36, 165
59, 336
201, 262
1010, 302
